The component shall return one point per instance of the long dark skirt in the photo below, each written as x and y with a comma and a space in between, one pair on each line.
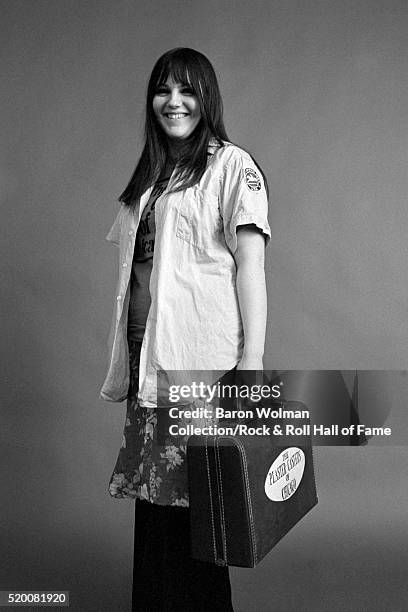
165, 577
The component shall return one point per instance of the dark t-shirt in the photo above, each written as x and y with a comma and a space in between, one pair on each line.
139, 303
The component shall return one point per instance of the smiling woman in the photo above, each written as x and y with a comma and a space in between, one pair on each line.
177, 110
192, 229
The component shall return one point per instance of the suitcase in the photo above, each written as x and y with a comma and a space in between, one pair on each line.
247, 492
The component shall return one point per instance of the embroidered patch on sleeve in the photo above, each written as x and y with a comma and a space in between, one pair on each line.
252, 179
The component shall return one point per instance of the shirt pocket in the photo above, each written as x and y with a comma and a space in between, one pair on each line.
199, 219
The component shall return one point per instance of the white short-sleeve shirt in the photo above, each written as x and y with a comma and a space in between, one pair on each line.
194, 321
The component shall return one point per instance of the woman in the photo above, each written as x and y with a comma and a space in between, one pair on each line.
191, 296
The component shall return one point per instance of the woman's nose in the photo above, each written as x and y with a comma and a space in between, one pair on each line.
175, 98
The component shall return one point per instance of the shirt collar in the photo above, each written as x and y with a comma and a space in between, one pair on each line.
213, 145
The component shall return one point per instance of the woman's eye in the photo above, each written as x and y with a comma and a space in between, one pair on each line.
187, 91
161, 91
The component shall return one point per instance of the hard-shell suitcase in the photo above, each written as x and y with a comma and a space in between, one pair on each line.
247, 492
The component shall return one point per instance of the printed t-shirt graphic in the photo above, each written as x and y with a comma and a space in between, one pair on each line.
142, 265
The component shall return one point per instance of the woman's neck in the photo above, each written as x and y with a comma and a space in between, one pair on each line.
175, 150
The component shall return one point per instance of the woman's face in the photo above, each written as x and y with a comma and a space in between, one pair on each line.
177, 109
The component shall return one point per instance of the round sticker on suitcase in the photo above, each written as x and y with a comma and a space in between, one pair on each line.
285, 474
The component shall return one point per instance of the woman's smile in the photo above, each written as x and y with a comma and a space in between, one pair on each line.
176, 115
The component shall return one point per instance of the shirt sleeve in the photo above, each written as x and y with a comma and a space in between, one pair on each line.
114, 233
243, 198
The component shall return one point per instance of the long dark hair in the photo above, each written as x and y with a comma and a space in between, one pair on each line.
189, 68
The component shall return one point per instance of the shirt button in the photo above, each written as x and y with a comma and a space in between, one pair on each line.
130, 232
119, 298
124, 265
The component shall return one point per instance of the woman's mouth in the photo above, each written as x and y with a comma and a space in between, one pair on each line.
175, 115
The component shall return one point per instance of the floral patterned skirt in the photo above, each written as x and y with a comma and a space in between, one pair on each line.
147, 468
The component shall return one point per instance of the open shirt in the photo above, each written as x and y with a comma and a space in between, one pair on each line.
194, 321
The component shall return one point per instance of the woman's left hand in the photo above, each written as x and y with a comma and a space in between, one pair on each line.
250, 363
249, 371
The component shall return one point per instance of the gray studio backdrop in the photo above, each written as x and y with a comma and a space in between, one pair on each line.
317, 90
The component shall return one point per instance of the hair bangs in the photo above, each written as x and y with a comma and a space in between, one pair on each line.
176, 69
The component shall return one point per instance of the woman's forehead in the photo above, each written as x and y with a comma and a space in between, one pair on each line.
178, 75
171, 82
